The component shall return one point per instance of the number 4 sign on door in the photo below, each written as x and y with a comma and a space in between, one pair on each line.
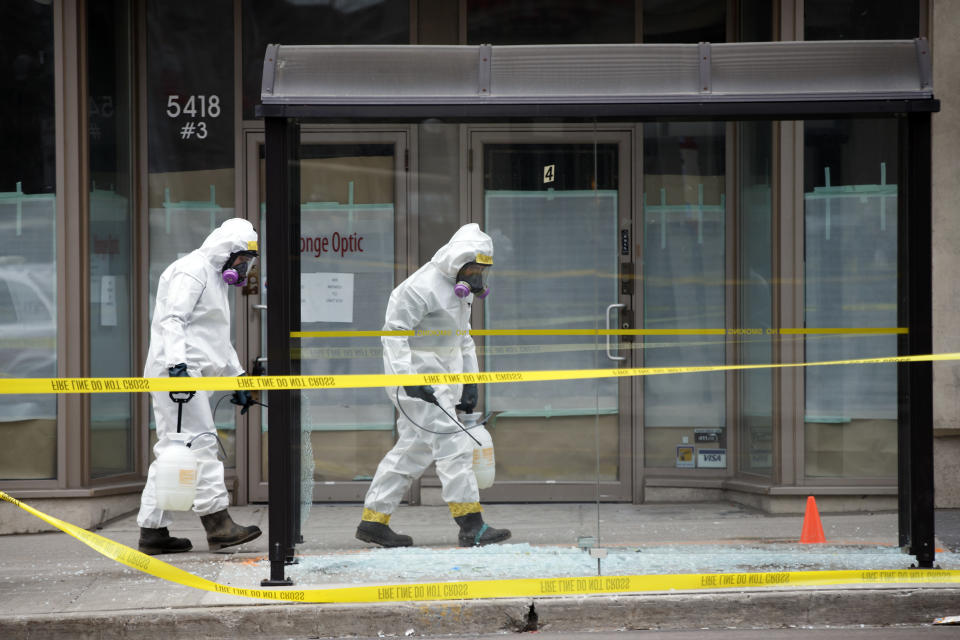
548, 173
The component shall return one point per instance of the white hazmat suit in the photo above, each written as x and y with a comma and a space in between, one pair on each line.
426, 304
191, 325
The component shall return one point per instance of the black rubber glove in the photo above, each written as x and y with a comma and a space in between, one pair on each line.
243, 399
178, 371
424, 392
468, 399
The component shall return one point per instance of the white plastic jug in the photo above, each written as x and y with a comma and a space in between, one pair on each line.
484, 462
176, 477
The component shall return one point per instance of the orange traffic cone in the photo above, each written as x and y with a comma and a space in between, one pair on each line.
812, 529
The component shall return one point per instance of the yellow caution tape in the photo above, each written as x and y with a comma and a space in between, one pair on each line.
853, 330
507, 588
354, 353
747, 331
376, 352
349, 334
357, 381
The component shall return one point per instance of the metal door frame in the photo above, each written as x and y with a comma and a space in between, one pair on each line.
630, 423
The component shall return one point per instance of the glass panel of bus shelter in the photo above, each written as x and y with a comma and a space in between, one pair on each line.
552, 272
347, 218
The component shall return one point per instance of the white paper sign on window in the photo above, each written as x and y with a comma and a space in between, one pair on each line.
326, 297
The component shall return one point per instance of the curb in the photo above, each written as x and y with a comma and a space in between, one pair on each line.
770, 608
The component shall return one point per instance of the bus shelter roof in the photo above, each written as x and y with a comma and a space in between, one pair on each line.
730, 80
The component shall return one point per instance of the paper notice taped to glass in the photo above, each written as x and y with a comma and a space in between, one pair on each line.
326, 297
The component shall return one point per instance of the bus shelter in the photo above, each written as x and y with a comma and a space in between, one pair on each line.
560, 135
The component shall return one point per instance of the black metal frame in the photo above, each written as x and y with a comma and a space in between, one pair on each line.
915, 416
283, 312
915, 310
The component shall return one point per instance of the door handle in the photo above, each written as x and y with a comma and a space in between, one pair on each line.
607, 318
261, 307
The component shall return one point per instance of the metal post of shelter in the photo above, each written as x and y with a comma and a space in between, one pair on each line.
283, 313
915, 380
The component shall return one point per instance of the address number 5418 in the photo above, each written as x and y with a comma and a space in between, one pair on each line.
209, 106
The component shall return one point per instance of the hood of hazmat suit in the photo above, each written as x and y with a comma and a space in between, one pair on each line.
426, 304
191, 319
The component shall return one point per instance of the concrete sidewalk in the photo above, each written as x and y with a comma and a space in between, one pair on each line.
55, 586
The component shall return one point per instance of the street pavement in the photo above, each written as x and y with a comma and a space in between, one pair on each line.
54, 586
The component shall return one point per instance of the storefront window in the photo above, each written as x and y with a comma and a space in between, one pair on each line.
755, 21
503, 22
754, 345
850, 294
684, 204
190, 144
439, 185
684, 21
861, 19
684, 226
292, 22
28, 237
755, 342
850, 204
109, 105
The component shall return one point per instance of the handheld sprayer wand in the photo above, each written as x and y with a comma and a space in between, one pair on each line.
457, 422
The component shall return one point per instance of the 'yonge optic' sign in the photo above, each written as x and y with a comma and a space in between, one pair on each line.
335, 243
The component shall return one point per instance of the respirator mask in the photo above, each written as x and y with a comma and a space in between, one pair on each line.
472, 278
238, 265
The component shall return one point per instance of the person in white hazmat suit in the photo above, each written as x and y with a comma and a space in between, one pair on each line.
435, 304
190, 336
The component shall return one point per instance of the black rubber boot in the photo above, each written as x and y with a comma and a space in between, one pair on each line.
474, 532
222, 531
381, 534
154, 542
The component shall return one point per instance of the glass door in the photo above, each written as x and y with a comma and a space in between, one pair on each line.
557, 203
353, 190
